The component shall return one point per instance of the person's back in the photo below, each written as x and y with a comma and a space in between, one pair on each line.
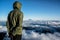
14, 22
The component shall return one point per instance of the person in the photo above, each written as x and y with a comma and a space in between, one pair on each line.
14, 22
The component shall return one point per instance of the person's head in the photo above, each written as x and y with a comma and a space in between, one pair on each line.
17, 5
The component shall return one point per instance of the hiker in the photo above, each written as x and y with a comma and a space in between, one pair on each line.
14, 22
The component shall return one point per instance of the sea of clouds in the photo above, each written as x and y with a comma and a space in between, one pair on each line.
36, 36
32, 35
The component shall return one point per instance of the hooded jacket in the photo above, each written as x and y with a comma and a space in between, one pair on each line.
15, 20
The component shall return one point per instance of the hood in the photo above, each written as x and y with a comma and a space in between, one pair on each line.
17, 5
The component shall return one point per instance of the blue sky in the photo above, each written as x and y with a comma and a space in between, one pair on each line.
33, 9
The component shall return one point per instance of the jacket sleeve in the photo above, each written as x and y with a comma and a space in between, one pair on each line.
7, 25
20, 19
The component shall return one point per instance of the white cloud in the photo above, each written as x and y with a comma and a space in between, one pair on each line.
37, 36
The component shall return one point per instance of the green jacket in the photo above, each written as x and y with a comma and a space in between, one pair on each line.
15, 20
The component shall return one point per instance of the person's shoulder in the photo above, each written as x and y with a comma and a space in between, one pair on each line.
10, 12
13, 11
20, 12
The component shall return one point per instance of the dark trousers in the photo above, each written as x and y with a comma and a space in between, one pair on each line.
2, 35
16, 37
